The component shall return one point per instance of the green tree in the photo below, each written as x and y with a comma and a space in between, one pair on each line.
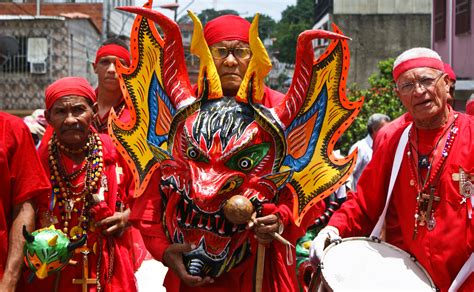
379, 98
209, 14
295, 19
266, 26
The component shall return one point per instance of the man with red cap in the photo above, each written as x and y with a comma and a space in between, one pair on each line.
429, 211
82, 166
23, 181
228, 39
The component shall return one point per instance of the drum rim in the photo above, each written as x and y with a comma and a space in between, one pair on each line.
375, 240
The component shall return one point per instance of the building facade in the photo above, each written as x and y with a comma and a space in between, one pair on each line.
379, 29
453, 39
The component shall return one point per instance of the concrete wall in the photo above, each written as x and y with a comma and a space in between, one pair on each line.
378, 37
25, 91
382, 6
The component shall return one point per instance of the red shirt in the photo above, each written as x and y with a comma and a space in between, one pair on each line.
113, 248
442, 251
21, 174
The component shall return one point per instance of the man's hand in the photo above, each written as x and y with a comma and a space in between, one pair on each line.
265, 226
116, 224
173, 259
6, 285
326, 236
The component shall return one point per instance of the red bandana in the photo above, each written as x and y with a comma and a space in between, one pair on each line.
227, 28
113, 50
415, 63
68, 86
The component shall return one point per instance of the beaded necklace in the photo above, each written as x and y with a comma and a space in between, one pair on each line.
426, 187
68, 194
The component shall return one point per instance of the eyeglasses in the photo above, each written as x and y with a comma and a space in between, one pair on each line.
223, 52
425, 84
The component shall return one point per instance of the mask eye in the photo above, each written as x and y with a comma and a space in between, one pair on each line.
247, 159
194, 154
245, 163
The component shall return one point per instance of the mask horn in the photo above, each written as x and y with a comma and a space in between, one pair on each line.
73, 245
28, 236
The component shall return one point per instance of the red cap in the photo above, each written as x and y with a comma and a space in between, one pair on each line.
227, 28
68, 86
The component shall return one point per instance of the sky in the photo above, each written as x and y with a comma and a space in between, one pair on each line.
245, 8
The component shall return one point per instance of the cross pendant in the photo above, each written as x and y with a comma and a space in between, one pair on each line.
85, 273
431, 198
69, 207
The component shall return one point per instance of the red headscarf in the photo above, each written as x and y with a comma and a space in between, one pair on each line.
414, 58
113, 50
68, 86
227, 28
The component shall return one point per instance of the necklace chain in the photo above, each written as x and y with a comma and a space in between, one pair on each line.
431, 179
68, 194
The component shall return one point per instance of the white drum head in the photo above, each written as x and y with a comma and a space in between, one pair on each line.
362, 264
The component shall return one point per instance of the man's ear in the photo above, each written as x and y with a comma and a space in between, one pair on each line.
447, 82
396, 91
95, 109
94, 66
47, 116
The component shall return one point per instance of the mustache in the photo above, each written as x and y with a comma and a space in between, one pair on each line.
76, 127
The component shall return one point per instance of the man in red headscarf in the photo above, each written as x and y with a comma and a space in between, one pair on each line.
22, 180
82, 166
228, 39
406, 118
429, 210
109, 94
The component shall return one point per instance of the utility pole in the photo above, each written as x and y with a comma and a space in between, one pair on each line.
38, 8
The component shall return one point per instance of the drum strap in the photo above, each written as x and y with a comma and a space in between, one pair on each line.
376, 233
465, 271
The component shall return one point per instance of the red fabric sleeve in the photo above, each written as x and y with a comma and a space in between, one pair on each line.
28, 179
359, 214
154, 238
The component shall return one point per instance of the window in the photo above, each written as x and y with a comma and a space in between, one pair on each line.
440, 20
463, 17
16, 62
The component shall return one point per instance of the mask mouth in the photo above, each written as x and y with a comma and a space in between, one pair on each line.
199, 262
189, 216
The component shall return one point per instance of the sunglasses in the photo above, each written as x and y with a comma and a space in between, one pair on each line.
223, 52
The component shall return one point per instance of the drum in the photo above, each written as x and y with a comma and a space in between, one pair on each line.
362, 264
